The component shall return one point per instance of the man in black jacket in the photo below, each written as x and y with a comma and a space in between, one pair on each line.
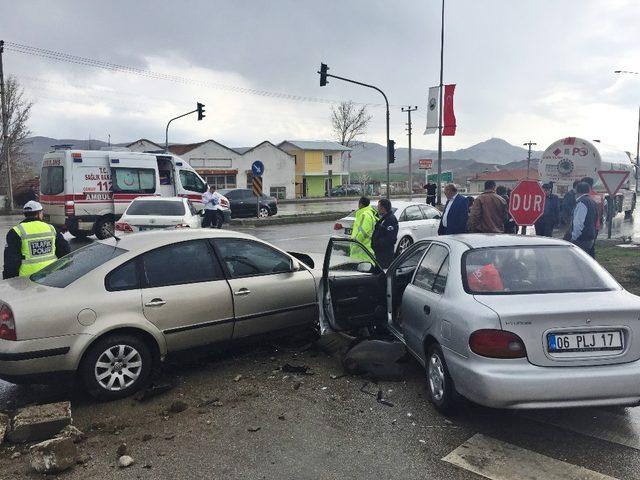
551, 215
385, 234
583, 231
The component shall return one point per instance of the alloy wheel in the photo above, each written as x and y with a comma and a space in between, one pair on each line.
404, 244
264, 212
118, 367
436, 376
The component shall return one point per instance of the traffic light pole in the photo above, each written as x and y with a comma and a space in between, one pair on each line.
166, 132
387, 105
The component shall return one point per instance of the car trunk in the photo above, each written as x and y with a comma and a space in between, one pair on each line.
141, 223
589, 321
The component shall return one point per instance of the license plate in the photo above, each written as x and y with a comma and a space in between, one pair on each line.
347, 231
606, 341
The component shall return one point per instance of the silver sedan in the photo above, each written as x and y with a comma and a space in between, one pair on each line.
505, 321
113, 310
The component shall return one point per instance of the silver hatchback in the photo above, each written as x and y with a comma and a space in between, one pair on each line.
506, 321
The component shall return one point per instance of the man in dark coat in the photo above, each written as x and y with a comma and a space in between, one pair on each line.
551, 216
583, 230
568, 204
431, 193
456, 212
385, 234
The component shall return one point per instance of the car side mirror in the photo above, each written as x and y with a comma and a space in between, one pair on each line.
365, 267
201, 212
437, 217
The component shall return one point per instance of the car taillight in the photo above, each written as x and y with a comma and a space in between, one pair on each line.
497, 344
7, 324
69, 208
337, 226
123, 227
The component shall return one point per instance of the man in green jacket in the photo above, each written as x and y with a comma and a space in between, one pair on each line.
363, 226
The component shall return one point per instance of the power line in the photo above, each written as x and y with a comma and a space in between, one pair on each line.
113, 67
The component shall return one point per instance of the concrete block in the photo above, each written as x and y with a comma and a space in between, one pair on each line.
39, 422
53, 456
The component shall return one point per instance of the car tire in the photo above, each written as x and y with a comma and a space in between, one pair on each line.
105, 362
403, 244
263, 212
79, 234
104, 228
440, 387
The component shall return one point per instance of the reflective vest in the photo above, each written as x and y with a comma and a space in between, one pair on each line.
38, 247
362, 231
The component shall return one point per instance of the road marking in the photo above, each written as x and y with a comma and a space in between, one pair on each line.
498, 460
594, 422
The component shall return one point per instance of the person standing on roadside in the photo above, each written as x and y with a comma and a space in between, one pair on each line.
509, 224
597, 198
551, 215
456, 212
363, 226
488, 212
213, 204
569, 203
385, 234
32, 244
583, 231
431, 193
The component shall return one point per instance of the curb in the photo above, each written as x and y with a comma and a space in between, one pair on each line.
288, 219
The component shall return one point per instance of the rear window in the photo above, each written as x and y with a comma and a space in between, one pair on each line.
52, 180
544, 269
163, 208
71, 267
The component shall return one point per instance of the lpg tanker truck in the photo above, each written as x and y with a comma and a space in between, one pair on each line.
571, 159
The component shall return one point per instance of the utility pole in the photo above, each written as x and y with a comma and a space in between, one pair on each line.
439, 193
529, 144
5, 130
409, 110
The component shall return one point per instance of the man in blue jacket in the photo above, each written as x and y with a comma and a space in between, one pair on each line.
456, 212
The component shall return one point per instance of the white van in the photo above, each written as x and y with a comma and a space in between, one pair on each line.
86, 191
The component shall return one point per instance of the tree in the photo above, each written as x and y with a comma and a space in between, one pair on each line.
18, 113
348, 122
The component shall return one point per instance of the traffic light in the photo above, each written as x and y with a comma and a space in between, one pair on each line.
391, 151
323, 74
200, 111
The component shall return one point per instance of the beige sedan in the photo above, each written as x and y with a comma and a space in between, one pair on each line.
111, 311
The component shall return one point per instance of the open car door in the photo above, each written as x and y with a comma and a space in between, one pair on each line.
353, 287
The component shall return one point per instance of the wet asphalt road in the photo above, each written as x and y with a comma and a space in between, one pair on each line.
605, 440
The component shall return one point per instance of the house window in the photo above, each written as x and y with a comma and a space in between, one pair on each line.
295, 160
221, 181
279, 192
210, 162
249, 180
328, 159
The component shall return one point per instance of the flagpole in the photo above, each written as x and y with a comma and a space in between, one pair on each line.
439, 193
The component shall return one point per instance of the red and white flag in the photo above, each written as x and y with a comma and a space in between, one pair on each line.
449, 117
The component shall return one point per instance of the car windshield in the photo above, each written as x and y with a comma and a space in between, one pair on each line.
164, 208
541, 269
71, 267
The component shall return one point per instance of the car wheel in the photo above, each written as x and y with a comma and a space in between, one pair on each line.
80, 234
104, 228
403, 244
263, 212
116, 366
439, 383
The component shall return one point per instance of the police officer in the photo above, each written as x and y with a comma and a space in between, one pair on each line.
385, 234
32, 244
363, 225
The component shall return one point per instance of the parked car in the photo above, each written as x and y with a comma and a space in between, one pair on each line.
245, 204
415, 222
505, 321
345, 191
109, 312
152, 213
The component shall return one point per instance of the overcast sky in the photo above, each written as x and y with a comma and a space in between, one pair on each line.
525, 69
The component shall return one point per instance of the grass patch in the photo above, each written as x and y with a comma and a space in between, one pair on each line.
623, 264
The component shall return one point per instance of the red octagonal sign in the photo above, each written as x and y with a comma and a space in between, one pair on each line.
526, 203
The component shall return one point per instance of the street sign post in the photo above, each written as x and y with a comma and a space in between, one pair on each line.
257, 169
612, 181
425, 163
445, 177
526, 203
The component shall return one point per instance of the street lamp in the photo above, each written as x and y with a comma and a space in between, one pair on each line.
627, 72
390, 146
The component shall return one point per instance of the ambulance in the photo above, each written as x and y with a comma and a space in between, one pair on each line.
85, 191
